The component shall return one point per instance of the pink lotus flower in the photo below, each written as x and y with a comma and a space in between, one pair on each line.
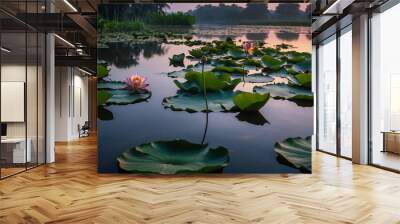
136, 83
248, 47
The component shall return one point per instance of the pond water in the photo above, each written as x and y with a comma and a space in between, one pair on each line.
251, 146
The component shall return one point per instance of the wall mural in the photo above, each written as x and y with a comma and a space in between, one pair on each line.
204, 88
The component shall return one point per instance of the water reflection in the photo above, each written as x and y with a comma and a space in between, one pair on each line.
255, 118
125, 55
287, 35
256, 36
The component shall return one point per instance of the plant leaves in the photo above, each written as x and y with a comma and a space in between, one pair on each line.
254, 117
283, 91
102, 71
225, 69
177, 60
213, 82
250, 101
123, 97
172, 157
296, 151
236, 54
102, 97
304, 80
110, 85
220, 101
271, 63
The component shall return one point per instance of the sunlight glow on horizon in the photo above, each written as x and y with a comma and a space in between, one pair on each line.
185, 7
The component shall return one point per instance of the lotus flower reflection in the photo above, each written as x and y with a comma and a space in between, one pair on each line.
136, 83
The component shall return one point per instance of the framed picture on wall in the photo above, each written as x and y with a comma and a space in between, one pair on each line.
204, 88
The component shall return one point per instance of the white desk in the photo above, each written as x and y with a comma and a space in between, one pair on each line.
19, 153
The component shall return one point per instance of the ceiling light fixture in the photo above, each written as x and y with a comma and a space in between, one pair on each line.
70, 5
5, 50
64, 40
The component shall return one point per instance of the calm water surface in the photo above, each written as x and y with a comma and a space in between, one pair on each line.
251, 147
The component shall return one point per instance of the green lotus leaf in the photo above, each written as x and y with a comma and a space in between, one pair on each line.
173, 157
220, 101
271, 63
196, 68
225, 62
304, 80
302, 67
283, 91
177, 60
257, 78
283, 73
225, 69
103, 97
296, 152
124, 96
213, 82
102, 71
236, 53
225, 46
196, 53
252, 62
250, 101
270, 51
110, 85
295, 57
257, 52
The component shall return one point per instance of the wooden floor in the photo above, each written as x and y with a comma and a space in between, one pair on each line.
70, 191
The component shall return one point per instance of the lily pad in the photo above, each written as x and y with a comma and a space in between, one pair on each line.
217, 102
177, 60
296, 151
102, 71
283, 73
258, 78
271, 63
123, 97
225, 69
283, 91
225, 62
250, 101
110, 85
252, 62
173, 157
103, 97
236, 53
213, 82
196, 53
304, 80
295, 57
196, 68
302, 67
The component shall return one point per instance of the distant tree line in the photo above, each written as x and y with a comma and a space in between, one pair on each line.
252, 14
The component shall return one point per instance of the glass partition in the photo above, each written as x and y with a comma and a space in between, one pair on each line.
327, 95
22, 77
346, 92
385, 90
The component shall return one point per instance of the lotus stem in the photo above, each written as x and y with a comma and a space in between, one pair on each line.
205, 98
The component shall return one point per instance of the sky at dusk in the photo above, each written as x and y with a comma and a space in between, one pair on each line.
184, 7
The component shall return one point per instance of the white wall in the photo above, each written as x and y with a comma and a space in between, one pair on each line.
71, 102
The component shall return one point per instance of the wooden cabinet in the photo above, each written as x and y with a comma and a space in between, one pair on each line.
391, 142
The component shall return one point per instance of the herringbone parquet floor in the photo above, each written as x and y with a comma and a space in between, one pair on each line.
70, 191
